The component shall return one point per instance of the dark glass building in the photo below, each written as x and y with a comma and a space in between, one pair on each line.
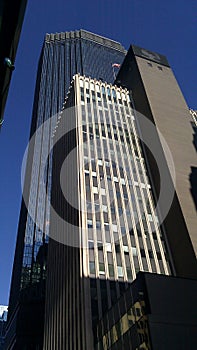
63, 55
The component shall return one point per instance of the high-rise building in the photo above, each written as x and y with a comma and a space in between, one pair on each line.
92, 184
63, 55
104, 228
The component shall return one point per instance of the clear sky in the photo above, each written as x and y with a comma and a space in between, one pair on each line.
168, 27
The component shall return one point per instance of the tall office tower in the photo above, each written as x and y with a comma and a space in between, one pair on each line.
157, 95
63, 55
104, 228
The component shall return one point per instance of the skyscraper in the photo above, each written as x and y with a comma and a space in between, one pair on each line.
63, 55
104, 229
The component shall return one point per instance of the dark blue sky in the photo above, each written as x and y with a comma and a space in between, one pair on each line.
167, 27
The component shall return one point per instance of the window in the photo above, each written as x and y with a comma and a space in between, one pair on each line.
95, 182
104, 208
113, 93
91, 244
115, 228
150, 217
101, 269
129, 274
97, 208
106, 225
159, 256
98, 224
120, 271
125, 249
108, 247
142, 251
95, 190
90, 224
122, 181
113, 210
160, 68
100, 162
92, 267
111, 270
102, 191
123, 230
100, 245
117, 247
134, 251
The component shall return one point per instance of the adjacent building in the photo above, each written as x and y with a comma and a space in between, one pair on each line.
157, 96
